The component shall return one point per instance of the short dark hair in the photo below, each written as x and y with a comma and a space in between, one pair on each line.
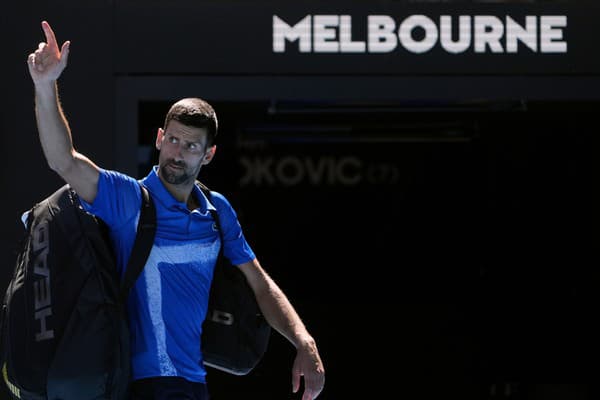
193, 111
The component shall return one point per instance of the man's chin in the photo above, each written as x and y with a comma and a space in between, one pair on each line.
173, 179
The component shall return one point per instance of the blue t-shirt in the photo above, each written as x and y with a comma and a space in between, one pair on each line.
168, 303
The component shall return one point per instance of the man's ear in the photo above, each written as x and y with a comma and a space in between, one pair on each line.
209, 155
159, 138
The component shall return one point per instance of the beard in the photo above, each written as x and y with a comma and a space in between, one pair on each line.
177, 176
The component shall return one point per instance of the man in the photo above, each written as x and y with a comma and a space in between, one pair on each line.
169, 301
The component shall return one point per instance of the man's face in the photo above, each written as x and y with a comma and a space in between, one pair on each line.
183, 151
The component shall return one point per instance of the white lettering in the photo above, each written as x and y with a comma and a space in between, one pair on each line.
382, 36
549, 31
325, 33
301, 32
464, 34
44, 333
41, 287
488, 32
406, 33
515, 32
420, 34
346, 43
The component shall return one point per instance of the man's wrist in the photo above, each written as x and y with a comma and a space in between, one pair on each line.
45, 88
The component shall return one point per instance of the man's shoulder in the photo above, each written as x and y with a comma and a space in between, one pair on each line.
116, 176
117, 193
217, 199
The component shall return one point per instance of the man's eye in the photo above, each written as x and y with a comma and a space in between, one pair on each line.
192, 146
172, 139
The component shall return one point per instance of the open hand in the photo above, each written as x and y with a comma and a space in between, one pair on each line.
47, 62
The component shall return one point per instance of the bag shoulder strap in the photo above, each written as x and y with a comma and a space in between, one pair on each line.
144, 239
207, 192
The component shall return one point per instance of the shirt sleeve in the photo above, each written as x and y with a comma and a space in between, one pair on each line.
117, 201
235, 247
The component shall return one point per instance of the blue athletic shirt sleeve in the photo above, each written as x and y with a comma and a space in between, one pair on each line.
117, 201
235, 247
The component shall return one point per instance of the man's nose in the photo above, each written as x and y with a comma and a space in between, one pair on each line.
179, 152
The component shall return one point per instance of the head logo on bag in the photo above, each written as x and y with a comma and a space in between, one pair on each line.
41, 284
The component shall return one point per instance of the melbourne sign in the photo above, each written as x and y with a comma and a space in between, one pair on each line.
421, 33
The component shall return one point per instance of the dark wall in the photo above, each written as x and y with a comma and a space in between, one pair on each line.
472, 264
86, 93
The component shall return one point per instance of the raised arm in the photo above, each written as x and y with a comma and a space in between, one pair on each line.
46, 64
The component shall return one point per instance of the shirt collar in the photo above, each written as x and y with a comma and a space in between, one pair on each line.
160, 193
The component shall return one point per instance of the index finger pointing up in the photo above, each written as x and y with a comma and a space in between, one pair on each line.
50, 37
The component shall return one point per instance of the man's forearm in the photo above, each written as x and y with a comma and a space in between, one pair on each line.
281, 315
53, 128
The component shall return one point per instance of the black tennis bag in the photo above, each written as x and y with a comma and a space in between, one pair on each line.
64, 332
235, 334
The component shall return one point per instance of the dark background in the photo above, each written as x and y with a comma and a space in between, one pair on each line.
433, 219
